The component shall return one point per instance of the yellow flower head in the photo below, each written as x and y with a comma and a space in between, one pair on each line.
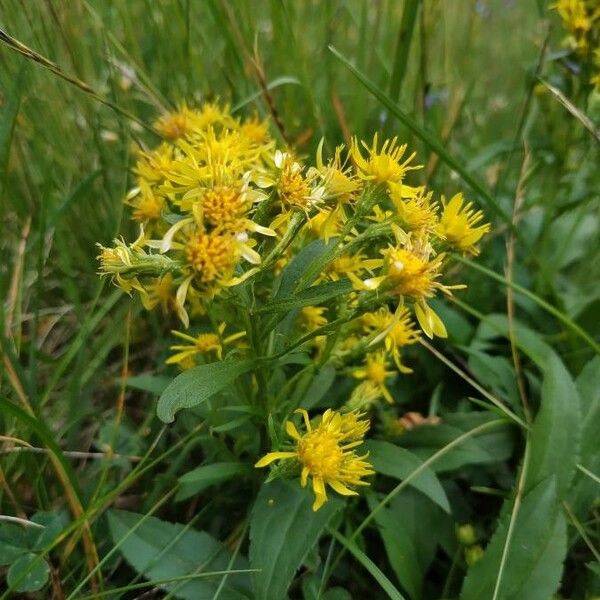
397, 329
176, 124
578, 18
376, 371
293, 187
160, 291
327, 223
410, 271
414, 207
326, 453
151, 166
365, 395
312, 317
382, 165
186, 121
338, 177
213, 257
458, 225
205, 344
147, 203
255, 131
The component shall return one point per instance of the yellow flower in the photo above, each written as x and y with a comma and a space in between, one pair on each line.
255, 131
312, 317
382, 165
348, 264
397, 329
146, 202
411, 271
151, 166
203, 343
364, 396
176, 124
159, 291
326, 453
578, 18
337, 176
126, 263
327, 223
186, 121
458, 224
375, 371
296, 189
414, 208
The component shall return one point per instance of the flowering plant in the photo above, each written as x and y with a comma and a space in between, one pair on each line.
266, 260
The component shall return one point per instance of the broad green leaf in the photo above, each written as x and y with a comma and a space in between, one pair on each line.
54, 523
555, 434
160, 550
155, 384
409, 527
204, 476
585, 490
497, 372
588, 387
489, 448
293, 272
384, 583
533, 556
319, 386
311, 296
527, 340
197, 385
28, 573
393, 461
283, 529
13, 542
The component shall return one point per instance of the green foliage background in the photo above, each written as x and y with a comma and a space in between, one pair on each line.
462, 82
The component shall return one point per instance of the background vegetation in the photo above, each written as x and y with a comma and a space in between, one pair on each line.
463, 83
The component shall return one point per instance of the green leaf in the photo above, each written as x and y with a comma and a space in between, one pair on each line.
386, 585
146, 382
405, 33
527, 340
283, 529
204, 476
533, 557
588, 387
294, 271
13, 542
54, 524
311, 296
409, 527
584, 489
393, 461
489, 448
161, 550
28, 573
555, 433
319, 386
197, 385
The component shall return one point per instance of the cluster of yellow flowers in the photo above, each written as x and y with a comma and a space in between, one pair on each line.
222, 212
581, 20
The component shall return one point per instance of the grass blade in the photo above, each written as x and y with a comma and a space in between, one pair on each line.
405, 33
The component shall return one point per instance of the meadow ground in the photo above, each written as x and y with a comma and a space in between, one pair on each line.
483, 471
